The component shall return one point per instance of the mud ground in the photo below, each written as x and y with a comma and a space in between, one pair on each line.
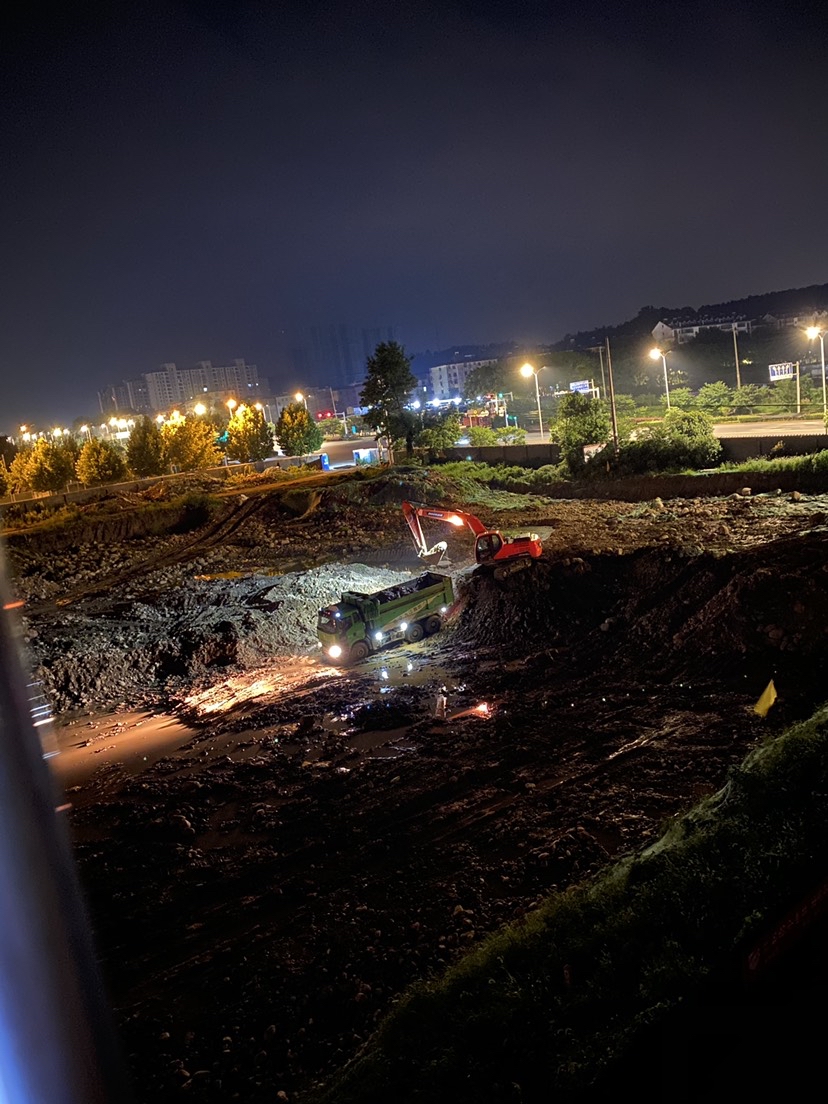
274, 848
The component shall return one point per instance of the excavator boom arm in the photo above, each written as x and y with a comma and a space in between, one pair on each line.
411, 514
415, 510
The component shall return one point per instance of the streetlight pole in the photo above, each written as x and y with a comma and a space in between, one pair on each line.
654, 355
527, 370
812, 332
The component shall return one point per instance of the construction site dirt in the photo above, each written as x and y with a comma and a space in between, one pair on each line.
273, 847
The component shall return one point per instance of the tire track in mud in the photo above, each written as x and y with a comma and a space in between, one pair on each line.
431, 822
218, 531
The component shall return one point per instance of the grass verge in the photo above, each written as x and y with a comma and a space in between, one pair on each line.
542, 1009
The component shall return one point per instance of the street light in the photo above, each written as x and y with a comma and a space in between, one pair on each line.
654, 355
811, 333
85, 429
301, 398
199, 409
231, 405
527, 370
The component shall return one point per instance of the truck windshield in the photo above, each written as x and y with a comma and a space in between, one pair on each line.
327, 621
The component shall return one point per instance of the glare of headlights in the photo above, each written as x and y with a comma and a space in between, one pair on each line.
334, 651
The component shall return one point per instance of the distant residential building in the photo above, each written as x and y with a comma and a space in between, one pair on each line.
449, 380
125, 396
338, 352
170, 387
680, 331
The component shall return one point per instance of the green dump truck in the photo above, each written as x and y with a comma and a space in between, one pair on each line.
363, 623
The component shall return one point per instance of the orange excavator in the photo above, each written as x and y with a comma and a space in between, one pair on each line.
504, 555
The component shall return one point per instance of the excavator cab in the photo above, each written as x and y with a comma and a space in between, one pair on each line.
487, 546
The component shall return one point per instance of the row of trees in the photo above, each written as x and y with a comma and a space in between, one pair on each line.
179, 444
682, 439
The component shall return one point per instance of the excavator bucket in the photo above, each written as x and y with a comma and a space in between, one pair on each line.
433, 555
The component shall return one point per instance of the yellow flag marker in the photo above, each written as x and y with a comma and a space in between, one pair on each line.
766, 700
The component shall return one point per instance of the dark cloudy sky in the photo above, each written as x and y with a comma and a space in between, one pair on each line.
189, 180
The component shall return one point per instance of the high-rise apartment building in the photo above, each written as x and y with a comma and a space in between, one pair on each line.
170, 386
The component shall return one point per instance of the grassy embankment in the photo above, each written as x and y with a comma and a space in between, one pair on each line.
546, 1008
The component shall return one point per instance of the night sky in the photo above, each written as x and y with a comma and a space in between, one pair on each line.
193, 180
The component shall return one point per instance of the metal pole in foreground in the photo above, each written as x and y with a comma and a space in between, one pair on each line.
57, 1045
540, 415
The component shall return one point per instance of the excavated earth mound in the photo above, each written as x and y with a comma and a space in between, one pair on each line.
767, 605
138, 652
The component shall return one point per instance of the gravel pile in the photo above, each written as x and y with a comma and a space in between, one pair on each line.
137, 652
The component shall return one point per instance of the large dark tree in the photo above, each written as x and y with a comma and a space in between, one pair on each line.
389, 382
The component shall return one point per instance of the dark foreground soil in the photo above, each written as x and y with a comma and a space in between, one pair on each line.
267, 881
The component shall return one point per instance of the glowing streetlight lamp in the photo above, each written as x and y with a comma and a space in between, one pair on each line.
24, 429
199, 409
231, 405
811, 333
527, 370
85, 429
654, 355
160, 419
301, 398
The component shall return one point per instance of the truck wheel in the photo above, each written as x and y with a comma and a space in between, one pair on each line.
433, 624
359, 651
414, 633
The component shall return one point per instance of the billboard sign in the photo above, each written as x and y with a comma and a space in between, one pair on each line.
582, 386
781, 371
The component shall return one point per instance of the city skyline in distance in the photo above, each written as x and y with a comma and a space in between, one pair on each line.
210, 180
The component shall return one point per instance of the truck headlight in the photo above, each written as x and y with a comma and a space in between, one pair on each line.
334, 651
403, 625
377, 636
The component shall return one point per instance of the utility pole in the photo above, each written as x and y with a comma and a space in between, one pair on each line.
736, 355
603, 379
612, 400
798, 392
